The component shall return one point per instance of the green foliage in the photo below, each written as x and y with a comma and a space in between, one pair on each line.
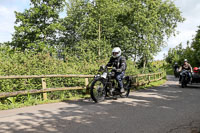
92, 28
138, 27
175, 55
31, 63
36, 64
37, 27
43, 43
158, 83
12, 100
196, 48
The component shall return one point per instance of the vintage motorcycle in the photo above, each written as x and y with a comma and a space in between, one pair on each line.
105, 85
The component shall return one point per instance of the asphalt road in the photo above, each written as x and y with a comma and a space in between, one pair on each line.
165, 109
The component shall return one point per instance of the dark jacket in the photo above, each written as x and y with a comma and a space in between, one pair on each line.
176, 66
187, 67
118, 63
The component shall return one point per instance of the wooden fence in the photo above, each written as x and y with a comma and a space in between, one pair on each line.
137, 80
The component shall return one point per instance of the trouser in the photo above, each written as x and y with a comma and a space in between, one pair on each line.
119, 76
189, 75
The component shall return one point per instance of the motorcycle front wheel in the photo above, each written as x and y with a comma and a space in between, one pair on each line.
97, 90
183, 82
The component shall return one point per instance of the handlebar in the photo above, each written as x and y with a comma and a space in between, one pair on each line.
106, 68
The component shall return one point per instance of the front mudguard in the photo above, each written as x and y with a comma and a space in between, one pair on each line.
97, 77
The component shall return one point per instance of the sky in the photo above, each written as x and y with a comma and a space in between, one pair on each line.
190, 11
7, 17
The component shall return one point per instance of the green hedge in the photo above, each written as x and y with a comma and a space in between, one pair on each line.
20, 63
30, 63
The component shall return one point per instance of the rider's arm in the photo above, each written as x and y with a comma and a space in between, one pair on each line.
180, 68
110, 63
123, 64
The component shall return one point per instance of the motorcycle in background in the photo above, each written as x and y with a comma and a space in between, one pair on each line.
196, 75
176, 73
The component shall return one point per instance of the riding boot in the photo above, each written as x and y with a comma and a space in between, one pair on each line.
122, 90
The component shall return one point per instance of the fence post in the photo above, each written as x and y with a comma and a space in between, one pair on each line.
44, 86
136, 82
86, 85
149, 78
2, 100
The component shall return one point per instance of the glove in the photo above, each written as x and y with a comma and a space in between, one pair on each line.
119, 70
114, 69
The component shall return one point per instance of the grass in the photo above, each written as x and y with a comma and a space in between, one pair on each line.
153, 84
158, 83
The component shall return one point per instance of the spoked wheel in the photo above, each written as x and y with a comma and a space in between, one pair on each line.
126, 82
97, 90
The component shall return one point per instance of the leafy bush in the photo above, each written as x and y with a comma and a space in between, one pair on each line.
31, 63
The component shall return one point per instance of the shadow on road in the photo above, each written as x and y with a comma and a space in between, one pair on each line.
124, 115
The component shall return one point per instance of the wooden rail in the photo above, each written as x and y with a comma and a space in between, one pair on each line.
136, 81
148, 78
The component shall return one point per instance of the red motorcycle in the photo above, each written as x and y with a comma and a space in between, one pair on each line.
196, 75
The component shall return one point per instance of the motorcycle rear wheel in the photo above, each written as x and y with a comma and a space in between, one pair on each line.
126, 82
97, 90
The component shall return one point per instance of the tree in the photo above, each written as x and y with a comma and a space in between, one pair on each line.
36, 28
176, 54
196, 48
148, 23
137, 26
89, 22
191, 52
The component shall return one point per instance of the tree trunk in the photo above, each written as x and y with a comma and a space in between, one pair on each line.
144, 65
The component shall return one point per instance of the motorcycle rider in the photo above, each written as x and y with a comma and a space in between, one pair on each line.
118, 63
176, 67
186, 66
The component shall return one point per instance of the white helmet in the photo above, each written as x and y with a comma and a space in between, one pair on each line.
185, 60
116, 52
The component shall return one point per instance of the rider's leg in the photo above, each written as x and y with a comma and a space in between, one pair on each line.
119, 77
